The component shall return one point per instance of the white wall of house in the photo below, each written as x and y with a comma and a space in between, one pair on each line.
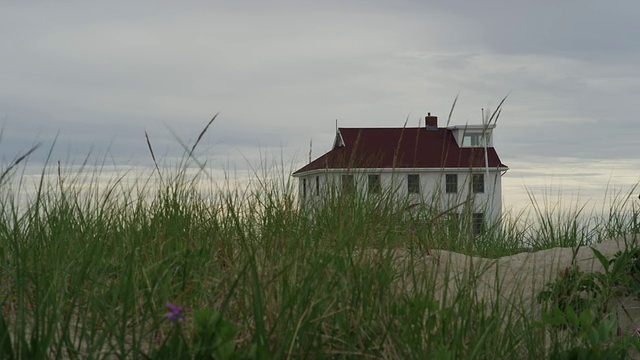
317, 185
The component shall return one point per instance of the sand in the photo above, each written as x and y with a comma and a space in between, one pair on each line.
518, 279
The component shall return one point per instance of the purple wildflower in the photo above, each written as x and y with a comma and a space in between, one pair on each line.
174, 312
619, 332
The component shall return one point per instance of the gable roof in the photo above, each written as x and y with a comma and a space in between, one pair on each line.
397, 148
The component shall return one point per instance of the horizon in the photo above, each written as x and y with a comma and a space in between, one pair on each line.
549, 190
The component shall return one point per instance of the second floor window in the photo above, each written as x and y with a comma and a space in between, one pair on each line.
413, 183
304, 188
451, 183
317, 185
477, 183
374, 184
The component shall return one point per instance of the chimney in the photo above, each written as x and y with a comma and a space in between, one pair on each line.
431, 122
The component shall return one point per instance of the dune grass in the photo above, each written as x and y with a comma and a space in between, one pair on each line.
87, 268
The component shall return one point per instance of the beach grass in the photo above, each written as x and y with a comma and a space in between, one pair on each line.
87, 268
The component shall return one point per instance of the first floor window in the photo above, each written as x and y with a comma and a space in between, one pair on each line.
478, 223
374, 184
451, 183
477, 183
347, 183
413, 183
453, 223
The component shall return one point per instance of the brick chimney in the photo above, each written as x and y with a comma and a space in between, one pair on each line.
431, 122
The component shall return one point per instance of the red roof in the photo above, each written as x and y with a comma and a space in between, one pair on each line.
401, 148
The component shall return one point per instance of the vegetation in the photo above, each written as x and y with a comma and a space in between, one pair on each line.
125, 270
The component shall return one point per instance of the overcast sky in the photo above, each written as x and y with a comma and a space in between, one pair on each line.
99, 73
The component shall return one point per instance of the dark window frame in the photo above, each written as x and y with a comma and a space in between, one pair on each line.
304, 188
477, 183
348, 183
478, 225
451, 183
374, 185
452, 221
413, 183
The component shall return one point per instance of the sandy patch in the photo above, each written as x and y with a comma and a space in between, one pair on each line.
514, 280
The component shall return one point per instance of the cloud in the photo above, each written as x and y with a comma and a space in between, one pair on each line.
573, 29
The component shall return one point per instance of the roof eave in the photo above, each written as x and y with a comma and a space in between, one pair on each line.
431, 169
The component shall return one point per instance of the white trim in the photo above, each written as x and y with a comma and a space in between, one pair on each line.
473, 127
399, 170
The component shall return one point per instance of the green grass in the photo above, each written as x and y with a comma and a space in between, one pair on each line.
87, 267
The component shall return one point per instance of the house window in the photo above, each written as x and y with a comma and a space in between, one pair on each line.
471, 140
474, 140
478, 223
304, 188
477, 183
413, 183
453, 223
374, 184
347, 183
451, 183
318, 185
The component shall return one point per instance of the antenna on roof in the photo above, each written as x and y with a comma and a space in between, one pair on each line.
310, 148
336, 125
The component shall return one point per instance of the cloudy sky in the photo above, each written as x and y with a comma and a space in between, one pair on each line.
98, 74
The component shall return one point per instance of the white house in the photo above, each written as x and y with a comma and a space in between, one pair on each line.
454, 167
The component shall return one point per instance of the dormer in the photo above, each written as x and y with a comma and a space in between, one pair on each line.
472, 135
